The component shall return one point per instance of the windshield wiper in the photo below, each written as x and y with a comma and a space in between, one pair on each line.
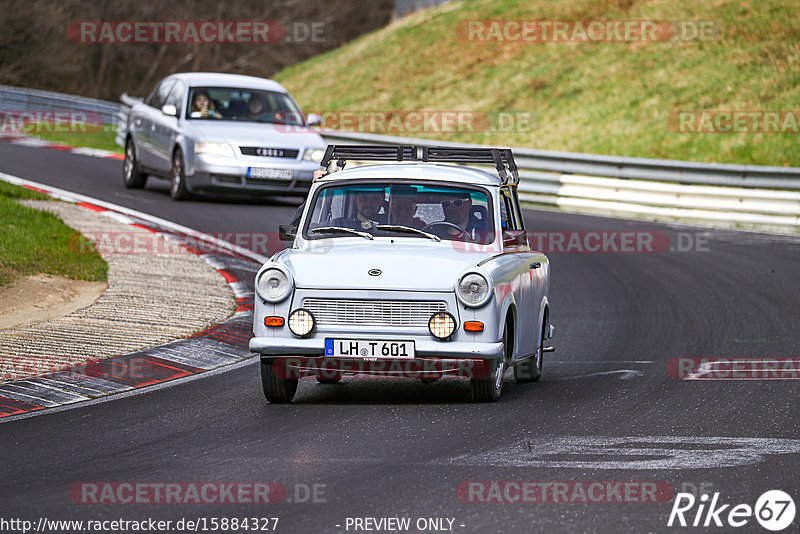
331, 229
408, 229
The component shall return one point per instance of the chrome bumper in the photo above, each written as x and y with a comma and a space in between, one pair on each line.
426, 348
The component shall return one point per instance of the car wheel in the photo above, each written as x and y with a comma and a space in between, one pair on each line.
277, 390
132, 175
329, 380
177, 188
489, 389
530, 370
427, 381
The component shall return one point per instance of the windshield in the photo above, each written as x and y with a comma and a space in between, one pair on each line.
236, 104
406, 209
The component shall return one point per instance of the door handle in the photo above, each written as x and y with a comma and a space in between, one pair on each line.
535, 265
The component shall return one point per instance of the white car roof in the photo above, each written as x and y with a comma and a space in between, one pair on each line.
419, 171
216, 79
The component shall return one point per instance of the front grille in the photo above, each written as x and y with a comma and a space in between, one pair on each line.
373, 312
269, 152
268, 181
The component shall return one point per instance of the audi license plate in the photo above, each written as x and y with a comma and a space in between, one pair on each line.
359, 348
275, 174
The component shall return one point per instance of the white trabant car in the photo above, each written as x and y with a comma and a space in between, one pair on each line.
417, 268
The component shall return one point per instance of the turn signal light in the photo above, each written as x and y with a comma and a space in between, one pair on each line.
273, 321
473, 326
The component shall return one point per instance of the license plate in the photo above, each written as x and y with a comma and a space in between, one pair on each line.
360, 348
275, 174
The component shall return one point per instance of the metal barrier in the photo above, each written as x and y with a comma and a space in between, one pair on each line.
22, 99
748, 196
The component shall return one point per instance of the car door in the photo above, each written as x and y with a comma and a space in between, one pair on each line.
165, 128
149, 113
527, 273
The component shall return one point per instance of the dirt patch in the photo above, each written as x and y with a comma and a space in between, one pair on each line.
37, 298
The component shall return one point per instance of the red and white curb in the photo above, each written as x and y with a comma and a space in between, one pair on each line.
26, 140
219, 348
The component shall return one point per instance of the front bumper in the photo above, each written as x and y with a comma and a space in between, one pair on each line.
231, 177
424, 348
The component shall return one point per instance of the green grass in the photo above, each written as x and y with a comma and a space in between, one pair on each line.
605, 98
33, 241
102, 138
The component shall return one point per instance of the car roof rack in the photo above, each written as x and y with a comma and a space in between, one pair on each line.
342, 153
501, 158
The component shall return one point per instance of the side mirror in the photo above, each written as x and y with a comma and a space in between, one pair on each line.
169, 110
314, 119
514, 238
287, 232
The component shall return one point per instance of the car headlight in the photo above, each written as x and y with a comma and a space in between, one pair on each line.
273, 284
442, 325
473, 290
214, 149
301, 322
313, 154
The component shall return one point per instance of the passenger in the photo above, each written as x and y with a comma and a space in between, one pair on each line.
203, 107
403, 206
368, 203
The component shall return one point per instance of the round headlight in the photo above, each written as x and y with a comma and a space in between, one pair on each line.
301, 322
442, 325
273, 284
473, 289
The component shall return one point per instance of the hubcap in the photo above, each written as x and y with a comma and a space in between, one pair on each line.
498, 379
176, 177
129, 162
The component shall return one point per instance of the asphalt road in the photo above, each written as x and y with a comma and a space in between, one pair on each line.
605, 410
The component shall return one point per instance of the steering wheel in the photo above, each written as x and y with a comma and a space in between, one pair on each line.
448, 224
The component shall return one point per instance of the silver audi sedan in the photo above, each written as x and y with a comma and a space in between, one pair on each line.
221, 134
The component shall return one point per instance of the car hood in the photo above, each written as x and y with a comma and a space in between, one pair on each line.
408, 264
253, 134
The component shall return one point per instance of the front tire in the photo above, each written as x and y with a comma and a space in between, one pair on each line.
490, 388
277, 390
330, 380
132, 175
177, 188
530, 370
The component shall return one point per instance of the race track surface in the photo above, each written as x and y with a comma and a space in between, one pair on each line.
605, 410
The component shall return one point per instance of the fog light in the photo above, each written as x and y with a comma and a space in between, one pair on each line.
442, 325
273, 321
301, 322
473, 326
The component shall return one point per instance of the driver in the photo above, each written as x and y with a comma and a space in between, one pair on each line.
457, 208
458, 216
255, 108
368, 204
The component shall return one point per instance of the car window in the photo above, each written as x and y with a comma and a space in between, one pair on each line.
246, 105
159, 94
511, 221
175, 97
449, 212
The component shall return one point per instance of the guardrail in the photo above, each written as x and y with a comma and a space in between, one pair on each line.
23, 99
748, 196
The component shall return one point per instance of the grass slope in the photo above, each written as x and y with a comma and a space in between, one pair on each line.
605, 98
33, 241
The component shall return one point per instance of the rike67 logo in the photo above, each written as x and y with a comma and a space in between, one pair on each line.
774, 510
